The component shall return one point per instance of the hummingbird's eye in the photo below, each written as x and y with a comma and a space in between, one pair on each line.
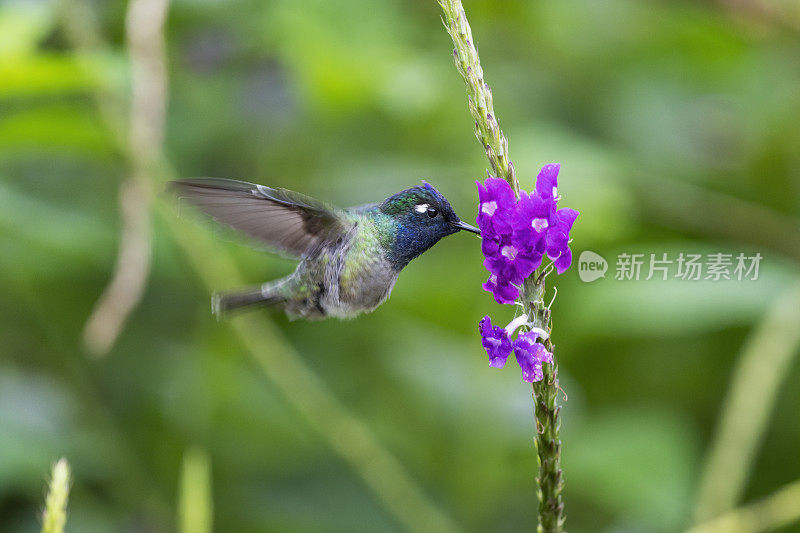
432, 212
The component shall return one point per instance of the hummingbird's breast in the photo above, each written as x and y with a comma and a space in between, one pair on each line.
363, 277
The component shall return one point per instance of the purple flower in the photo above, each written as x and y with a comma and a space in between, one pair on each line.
530, 356
517, 234
496, 342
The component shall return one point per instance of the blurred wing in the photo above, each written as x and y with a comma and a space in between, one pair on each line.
362, 208
285, 220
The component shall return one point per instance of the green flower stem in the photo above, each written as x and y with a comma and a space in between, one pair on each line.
465, 56
487, 129
548, 424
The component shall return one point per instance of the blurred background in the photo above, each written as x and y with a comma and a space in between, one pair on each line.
676, 125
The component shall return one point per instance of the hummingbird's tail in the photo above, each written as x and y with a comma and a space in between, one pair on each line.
262, 295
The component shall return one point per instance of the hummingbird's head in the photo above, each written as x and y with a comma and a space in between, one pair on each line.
421, 217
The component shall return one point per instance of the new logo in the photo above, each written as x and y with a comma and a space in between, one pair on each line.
591, 266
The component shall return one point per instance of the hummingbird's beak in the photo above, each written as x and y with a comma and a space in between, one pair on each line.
463, 225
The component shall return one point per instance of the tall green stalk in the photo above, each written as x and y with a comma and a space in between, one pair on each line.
481, 104
545, 392
550, 482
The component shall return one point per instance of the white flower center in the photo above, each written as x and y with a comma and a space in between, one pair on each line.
509, 252
539, 224
555, 192
489, 207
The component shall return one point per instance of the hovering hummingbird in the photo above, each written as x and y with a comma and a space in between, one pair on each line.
349, 258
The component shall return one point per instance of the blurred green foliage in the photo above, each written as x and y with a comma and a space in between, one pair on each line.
351, 101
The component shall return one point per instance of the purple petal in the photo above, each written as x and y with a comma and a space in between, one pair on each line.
566, 218
506, 293
489, 246
557, 242
527, 262
547, 181
505, 271
496, 342
530, 356
531, 369
499, 189
497, 206
532, 220
532, 207
558, 249
529, 240
563, 261
503, 291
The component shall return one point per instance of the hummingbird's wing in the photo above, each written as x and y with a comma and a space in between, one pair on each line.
362, 208
283, 219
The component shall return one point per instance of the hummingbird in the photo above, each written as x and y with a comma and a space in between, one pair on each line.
349, 258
